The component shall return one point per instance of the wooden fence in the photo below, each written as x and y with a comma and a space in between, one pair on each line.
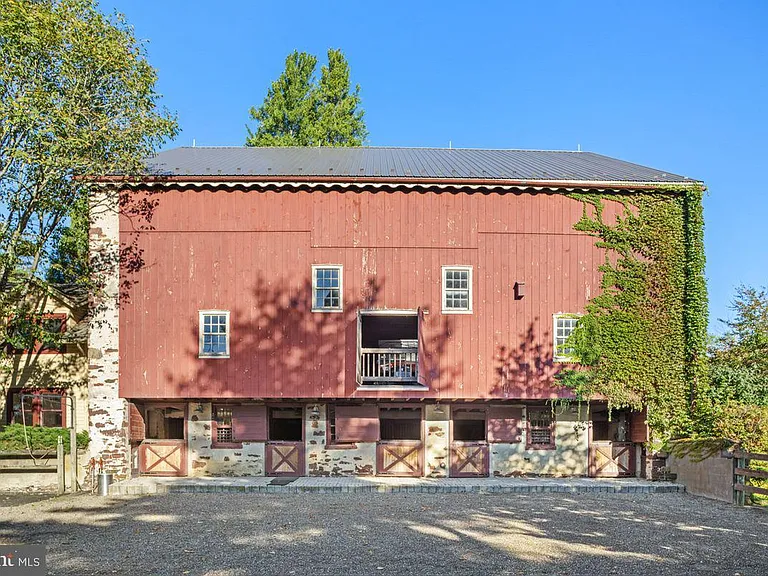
743, 472
36, 466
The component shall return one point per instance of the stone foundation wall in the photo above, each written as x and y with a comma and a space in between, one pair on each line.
437, 441
207, 461
569, 458
324, 460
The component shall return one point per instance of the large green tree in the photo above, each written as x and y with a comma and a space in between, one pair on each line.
739, 372
300, 111
69, 259
739, 357
77, 100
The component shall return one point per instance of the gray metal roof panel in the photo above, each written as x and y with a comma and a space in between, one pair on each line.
437, 163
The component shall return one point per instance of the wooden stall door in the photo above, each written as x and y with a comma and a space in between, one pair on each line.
400, 458
285, 445
470, 432
469, 459
611, 459
163, 457
285, 458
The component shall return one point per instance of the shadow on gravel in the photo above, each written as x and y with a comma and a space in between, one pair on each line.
20, 498
233, 534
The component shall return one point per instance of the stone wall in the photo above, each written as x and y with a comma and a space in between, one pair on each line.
207, 461
324, 460
108, 422
569, 458
711, 477
437, 444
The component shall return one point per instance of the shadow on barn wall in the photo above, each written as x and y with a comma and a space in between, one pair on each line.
286, 348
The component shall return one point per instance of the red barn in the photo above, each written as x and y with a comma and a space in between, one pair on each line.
332, 311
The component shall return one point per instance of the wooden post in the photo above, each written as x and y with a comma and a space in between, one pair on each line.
738, 495
73, 460
60, 465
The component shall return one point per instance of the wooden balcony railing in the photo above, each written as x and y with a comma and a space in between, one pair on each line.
389, 365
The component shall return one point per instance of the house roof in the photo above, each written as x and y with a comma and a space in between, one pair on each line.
364, 163
76, 293
72, 295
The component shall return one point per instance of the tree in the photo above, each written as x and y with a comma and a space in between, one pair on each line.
339, 117
77, 100
69, 260
739, 358
287, 116
298, 111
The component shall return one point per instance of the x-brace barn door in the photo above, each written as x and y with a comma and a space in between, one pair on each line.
285, 459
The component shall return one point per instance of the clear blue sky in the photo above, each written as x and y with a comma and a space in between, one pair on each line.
681, 86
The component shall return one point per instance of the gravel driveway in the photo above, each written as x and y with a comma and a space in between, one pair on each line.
358, 534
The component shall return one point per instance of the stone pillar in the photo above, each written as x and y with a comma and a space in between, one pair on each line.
108, 421
315, 426
437, 436
199, 437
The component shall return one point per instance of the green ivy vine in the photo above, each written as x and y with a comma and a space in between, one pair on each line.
642, 341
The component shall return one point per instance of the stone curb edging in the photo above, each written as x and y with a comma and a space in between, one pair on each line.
130, 490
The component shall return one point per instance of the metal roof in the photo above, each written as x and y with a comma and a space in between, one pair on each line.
405, 163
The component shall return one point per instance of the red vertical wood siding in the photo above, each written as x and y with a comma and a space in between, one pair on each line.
249, 422
357, 423
505, 424
251, 253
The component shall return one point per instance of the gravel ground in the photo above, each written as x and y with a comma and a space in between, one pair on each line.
17, 498
359, 534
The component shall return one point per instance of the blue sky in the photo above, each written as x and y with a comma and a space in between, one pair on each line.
681, 86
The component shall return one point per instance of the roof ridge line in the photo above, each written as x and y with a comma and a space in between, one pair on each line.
228, 147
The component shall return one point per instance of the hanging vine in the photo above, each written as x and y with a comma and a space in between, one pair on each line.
642, 339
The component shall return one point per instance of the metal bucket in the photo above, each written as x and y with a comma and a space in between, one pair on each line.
105, 479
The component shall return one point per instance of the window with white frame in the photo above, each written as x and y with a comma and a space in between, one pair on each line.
457, 289
214, 334
564, 324
326, 288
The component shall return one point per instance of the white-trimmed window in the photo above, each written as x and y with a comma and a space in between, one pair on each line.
563, 327
327, 288
214, 334
457, 289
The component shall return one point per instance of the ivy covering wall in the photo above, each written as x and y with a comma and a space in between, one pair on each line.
642, 340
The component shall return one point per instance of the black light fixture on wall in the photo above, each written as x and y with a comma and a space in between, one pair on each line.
519, 290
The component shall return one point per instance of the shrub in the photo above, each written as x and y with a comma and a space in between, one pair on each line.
744, 423
40, 438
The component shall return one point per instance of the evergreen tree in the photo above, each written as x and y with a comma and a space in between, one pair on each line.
287, 116
739, 358
339, 118
298, 111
